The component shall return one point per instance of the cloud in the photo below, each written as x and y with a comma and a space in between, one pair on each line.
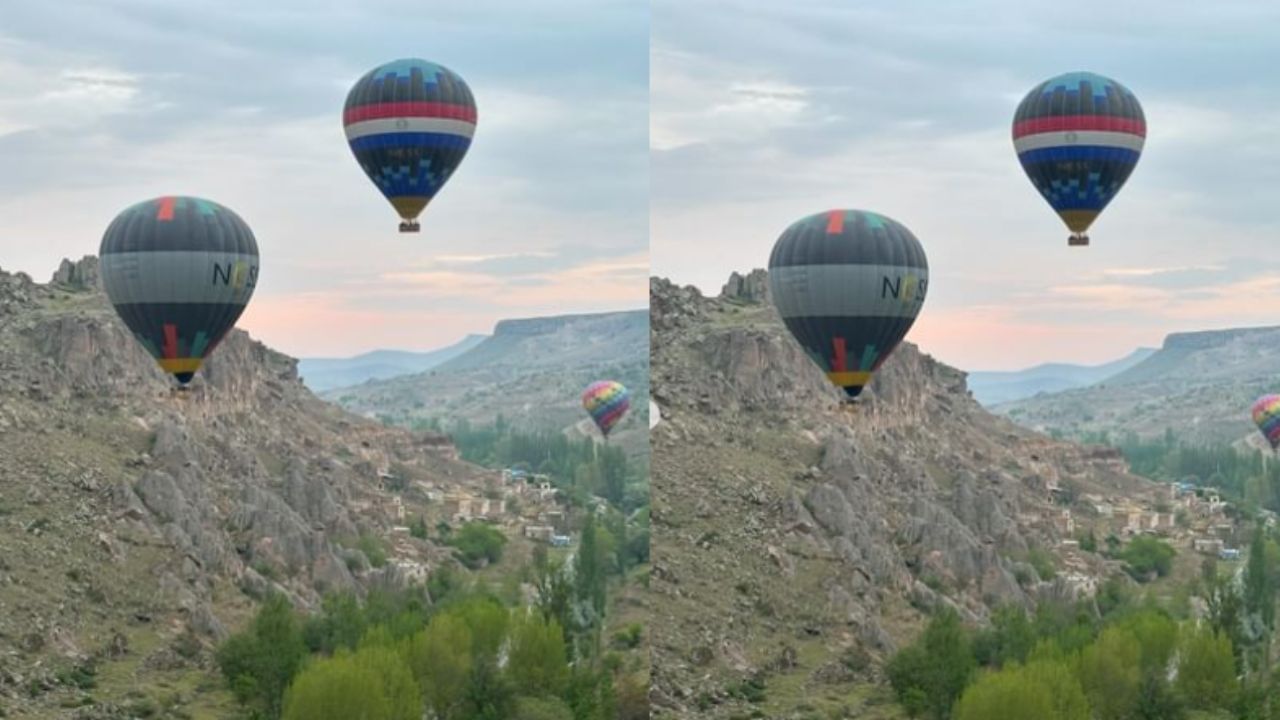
905, 109
241, 102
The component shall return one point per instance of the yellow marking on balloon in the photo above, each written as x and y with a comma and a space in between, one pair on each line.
410, 206
1078, 220
180, 365
849, 379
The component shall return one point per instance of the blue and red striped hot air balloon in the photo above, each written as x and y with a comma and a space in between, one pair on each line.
409, 123
1078, 137
606, 401
1266, 415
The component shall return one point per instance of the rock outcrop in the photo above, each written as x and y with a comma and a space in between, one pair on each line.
788, 524
125, 504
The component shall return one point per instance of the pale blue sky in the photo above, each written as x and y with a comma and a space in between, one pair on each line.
107, 102
762, 113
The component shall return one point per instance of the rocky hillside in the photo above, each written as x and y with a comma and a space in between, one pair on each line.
322, 374
140, 524
545, 362
1200, 384
798, 542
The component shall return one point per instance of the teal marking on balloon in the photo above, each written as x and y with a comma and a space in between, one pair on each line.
869, 355
874, 221
198, 344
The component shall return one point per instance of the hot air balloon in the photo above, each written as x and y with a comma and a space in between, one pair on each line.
1266, 415
1078, 137
409, 123
606, 401
179, 272
848, 284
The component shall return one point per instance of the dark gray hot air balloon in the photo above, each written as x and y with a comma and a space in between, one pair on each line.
848, 284
179, 271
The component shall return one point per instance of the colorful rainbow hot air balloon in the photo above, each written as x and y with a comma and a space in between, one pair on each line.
606, 401
848, 284
179, 272
1266, 415
1078, 137
409, 123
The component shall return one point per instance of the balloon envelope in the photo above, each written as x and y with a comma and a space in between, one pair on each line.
409, 123
848, 284
1078, 137
179, 272
1266, 415
606, 401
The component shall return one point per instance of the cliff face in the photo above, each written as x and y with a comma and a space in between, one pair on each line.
1219, 338
128, 509
791, 531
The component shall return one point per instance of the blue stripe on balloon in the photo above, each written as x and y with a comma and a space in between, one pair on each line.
1078, 152
409, 140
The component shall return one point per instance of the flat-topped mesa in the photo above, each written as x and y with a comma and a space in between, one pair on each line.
1217, 338
548, 325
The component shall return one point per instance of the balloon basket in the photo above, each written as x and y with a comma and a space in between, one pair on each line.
409, 227
1078, 241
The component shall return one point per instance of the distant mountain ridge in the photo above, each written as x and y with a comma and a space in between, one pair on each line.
322, 374
531, 371
1199, 384
994, 387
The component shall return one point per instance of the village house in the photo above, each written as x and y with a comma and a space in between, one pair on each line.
410, 570
539, 532
1208, 546
1064, 523
464, 507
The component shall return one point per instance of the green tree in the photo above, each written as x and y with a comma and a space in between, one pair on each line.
1225, 613
1157, 636
1009, 639
487, 620
340, 623
589, 571
542, 708
1259, 586
1110, 673
337, 688
488, 694
479, 543
259, 662
440, 659
1206, 669
1147, 556
1041, 690
929, 675
536, 659
1157, 701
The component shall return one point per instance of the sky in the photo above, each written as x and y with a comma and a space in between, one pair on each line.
763, 113
104, 103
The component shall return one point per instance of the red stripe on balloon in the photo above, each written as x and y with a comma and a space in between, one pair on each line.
378, 111
1061, 123
835, 222
166, 209
170, 349
838, 365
